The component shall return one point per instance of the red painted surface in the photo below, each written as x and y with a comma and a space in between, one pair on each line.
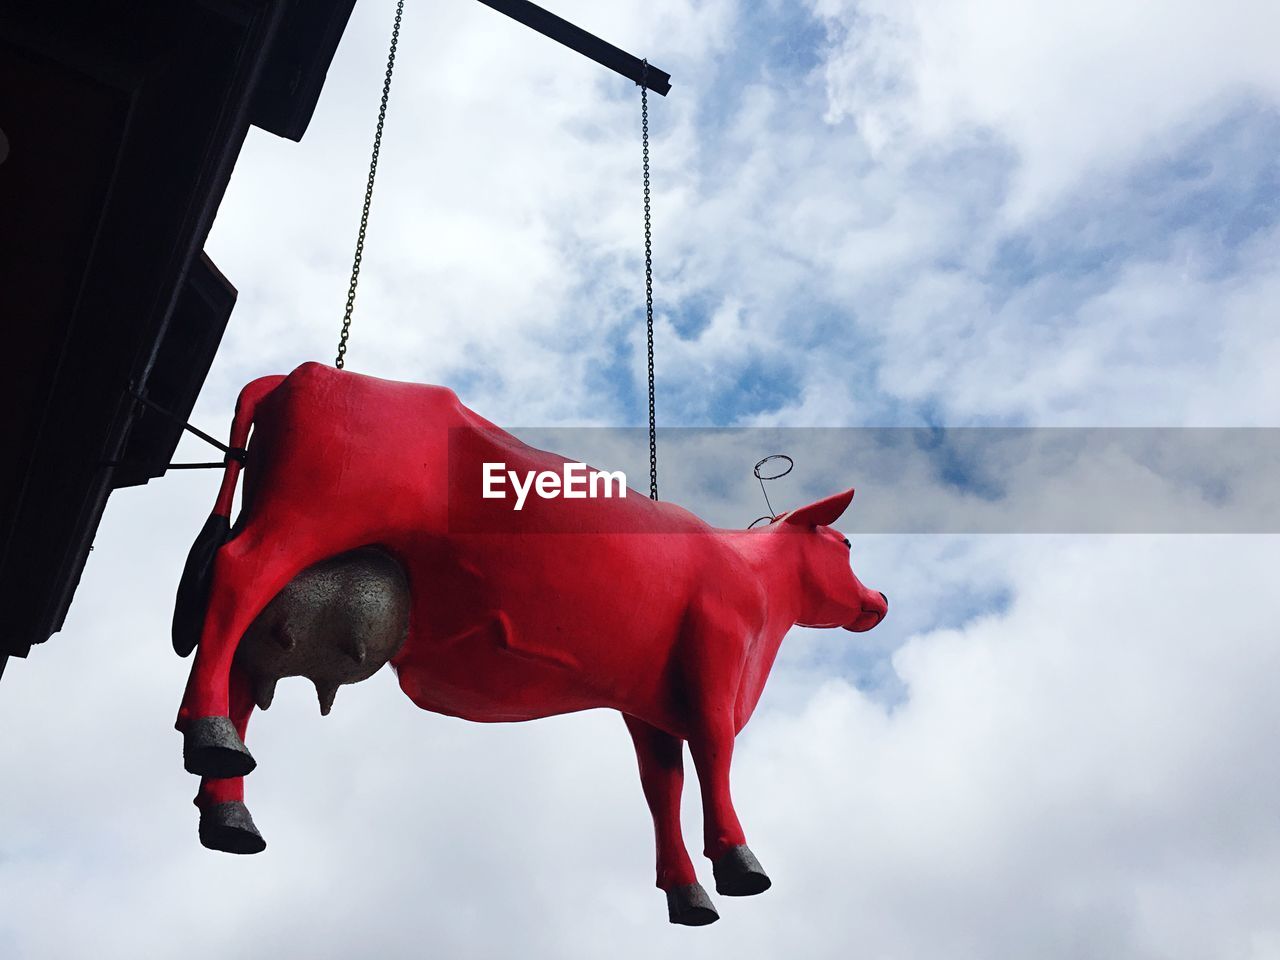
645, 609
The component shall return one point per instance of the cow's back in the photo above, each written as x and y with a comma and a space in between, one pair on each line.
358, 449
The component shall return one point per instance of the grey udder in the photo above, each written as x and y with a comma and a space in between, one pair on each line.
336, 622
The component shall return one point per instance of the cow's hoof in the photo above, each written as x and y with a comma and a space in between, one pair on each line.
229, 827
739, 874
212, 748
690, 906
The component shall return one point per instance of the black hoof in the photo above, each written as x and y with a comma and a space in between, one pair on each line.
690, 906
229, 828
739, 874
212, 748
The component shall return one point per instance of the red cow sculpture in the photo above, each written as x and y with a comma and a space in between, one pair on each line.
563, 605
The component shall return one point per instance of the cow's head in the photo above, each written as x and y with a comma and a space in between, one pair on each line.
831, 596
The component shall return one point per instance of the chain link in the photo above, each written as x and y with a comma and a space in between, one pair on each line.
648, 280
368, 192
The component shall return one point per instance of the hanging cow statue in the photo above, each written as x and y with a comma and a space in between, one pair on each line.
366, 537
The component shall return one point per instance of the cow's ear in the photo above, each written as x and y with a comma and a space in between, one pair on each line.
821, 514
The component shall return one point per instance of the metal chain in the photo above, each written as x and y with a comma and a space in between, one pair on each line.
648, 280
368, 192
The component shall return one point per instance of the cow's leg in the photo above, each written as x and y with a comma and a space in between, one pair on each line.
737, 872
661, 760
247, 574
225, 823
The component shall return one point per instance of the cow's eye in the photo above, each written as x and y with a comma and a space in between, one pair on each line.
845, 541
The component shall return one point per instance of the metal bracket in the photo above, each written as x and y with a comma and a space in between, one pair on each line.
589, 45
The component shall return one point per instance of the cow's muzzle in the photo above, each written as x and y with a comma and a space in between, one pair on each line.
874, 609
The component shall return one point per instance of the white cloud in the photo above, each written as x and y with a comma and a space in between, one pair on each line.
1163, 343
1076, 89
1063, 780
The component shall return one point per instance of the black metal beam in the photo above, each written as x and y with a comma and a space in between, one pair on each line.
575, 38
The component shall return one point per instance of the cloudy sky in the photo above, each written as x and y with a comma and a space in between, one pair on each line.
917, 213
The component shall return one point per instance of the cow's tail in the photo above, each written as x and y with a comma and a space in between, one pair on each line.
197, 575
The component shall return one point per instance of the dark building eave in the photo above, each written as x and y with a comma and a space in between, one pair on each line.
123, 131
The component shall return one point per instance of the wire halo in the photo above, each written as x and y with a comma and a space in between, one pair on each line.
773, 476
761, 477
